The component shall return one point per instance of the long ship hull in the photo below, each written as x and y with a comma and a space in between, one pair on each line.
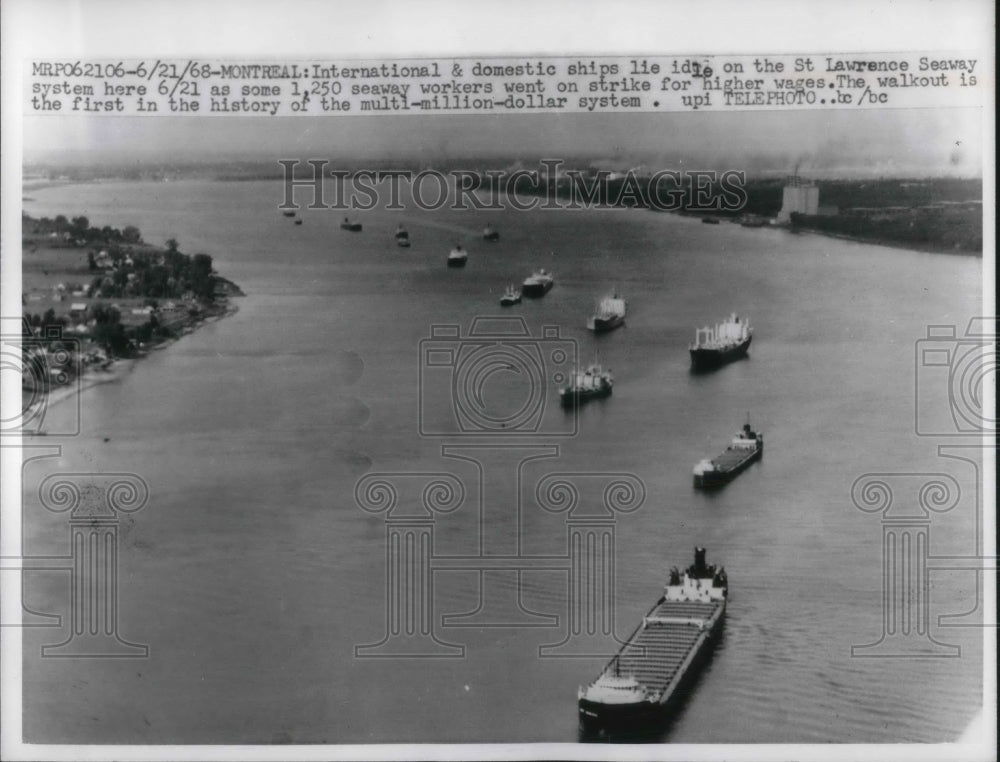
669, 658
604, 324
707, 359
536, 290
650, 677
729, 465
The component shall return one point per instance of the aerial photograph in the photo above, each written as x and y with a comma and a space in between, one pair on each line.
410, 428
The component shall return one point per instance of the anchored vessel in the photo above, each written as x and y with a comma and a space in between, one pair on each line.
401, 233
289, 214
354, 227
725, 342
610, 314
746, 447
592, 383
298, 222
489, 234
510, 297
538, 283
647, 679
457, 257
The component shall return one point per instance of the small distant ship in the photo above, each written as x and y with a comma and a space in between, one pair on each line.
489, 234
593, 383
457, 257
298, 222
537, 284
354, 227
609, 315
511, 296
401, 233
710, 220
746, 447
753, 221
289, 214
715, 346
403, 242
651, 675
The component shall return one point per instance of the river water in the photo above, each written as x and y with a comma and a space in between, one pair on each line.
252, 573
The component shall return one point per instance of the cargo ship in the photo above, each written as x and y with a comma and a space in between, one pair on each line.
609, 315
402, 234
510, 297
354, 227
746, 447
289, 214
457, 257
593, 383
650, 676
725, 342
489, 234
539, 283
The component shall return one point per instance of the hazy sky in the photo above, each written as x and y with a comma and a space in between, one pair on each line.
915, 142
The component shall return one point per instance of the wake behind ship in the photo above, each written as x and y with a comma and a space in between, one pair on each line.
646, 680
723, 343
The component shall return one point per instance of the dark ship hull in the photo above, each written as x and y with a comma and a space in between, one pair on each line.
707, 359
456, 261
570, 399
646, 719
727, 470
354, 227
652, 674
603, 324
536, 290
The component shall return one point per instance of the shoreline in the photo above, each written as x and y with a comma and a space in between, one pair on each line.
873, 241
117, 370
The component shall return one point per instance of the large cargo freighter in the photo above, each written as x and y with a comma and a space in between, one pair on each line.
609, 315
593, 383
651, 674
539, 283
716, 345
746, 447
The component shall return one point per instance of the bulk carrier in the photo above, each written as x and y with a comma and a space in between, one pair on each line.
649, 677
746, 447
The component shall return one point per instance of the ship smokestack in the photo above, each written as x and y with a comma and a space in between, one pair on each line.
699, 560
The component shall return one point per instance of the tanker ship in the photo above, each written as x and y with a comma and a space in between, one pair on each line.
649, 677
725, 342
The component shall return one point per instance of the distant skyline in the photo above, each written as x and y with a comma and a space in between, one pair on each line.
867, 143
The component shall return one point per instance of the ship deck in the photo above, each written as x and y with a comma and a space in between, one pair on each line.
655, 653
730, 459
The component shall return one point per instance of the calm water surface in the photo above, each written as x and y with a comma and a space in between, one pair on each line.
252, 573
